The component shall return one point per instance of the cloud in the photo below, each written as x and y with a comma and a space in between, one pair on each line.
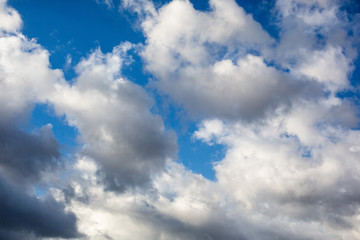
26, 79
24, 216
315, 41
290, 169
310, 177
112, 114
183, 205
142, 8
211, 73
291, 150
24, 157
25, 75
10, 20
114, 119
218, 72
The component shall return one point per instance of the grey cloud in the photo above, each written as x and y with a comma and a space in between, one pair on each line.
70, 194
144, 154
344, 114
219, 225
115, 122
24, 215
238, 94
16, 235
336, 206
26, 79
23, 156
173, 228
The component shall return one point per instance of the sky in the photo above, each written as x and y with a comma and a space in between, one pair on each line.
179, 119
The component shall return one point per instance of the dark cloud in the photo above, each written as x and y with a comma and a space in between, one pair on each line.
16, 235
25, 156
333, 206
70, 194
218, 226
25, 215
144, 155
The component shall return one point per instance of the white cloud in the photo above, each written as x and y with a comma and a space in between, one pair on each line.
114, 119
10, 20
25, 74
143, 8
281, 174
314, 41
215, 63
328, 66
291, 165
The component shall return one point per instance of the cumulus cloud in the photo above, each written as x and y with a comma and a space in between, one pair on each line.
187, 60
311, 175
212, 73
112, 114
184, 205
25, 75
315, 41
114, 119
306, 189
288, 172
218, 72
291, 166
10, 19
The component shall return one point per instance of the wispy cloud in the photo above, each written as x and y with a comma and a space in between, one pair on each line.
109, 3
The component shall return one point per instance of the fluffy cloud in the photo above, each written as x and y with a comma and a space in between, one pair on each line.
112, 114
290, 169
205, 70
234, 69
315, 41
311, 175
288, 175
114, 119
268, 204
213, 73
9, 18
25, 74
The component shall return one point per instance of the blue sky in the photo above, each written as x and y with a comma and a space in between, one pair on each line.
140, 119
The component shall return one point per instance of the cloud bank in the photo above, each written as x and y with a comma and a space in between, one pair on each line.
290, 169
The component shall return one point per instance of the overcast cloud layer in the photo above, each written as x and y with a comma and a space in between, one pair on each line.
292, 145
